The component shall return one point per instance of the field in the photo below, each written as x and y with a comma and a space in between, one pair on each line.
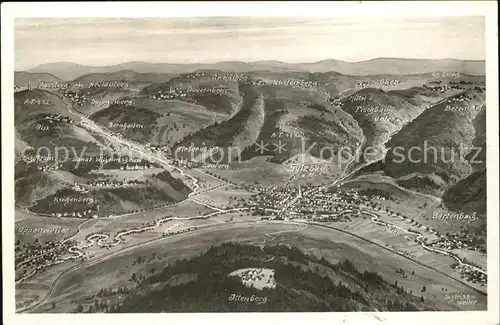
257, 171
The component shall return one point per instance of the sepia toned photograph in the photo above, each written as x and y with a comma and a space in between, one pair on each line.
252, 164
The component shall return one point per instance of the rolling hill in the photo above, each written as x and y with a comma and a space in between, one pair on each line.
70, 71
23, 77
165, 121
381, 113
123, 75
425, 154
296, 118
303, 283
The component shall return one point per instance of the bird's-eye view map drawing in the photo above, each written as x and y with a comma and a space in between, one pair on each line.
250, 164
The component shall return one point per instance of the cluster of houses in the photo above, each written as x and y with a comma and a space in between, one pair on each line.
282, 134
157, 147
258, 83
363, 84
333, 217
172, 94
81, 214
56, 117
455, 241
184, 163
442, 88
135, 167
108, 184
331, 203
172, 233
254, 275
27, 250
114, 134
439, 88
48, 167
448, 244
271, 197
459, 99
30, 256
194, 75
322, 206
470, 274
79, 188
79, 99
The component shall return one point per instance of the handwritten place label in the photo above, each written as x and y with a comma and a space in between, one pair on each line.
282, 134
382, 82
109, 84
28, 231
454, 216
248, 299
122, 160
232, 77
207, 90
33, 101
348, 99
124, 126
45, 84
394, 231
450, 108
384, 118
127, 102
41, 128
356, 98
308, 168
32, 159
460, 298
373, 109
192, 148
389, 82
446, 74
215, 166
294, 83
66, 200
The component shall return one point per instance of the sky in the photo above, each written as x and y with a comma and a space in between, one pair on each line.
109, 41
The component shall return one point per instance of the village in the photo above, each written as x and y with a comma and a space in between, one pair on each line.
194, 75
442, 87
55, 117
259, 278
174, 93
78, 99
49, 167
35, 255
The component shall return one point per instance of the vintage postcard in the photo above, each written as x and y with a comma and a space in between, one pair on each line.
187, 162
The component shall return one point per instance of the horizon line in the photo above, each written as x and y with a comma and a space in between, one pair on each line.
249, 62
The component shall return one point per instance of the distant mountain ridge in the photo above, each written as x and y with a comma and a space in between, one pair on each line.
393, 66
